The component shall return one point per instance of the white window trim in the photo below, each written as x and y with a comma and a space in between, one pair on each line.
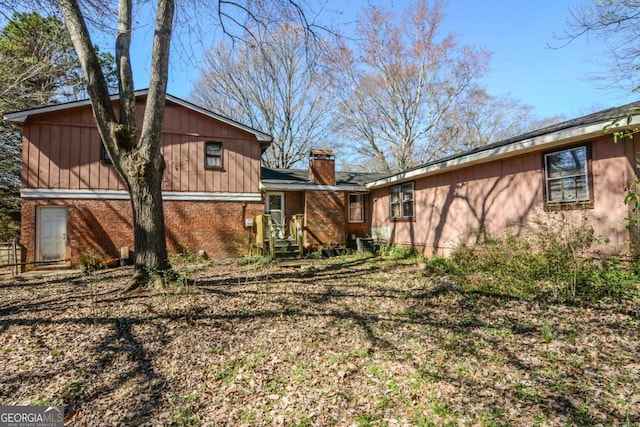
267, 205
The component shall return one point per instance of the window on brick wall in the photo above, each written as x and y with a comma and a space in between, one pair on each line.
213, 154
401, 201
356, 207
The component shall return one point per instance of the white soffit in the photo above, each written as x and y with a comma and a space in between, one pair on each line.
43, 193
309, 187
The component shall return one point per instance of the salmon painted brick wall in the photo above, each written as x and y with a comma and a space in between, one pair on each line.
451, 208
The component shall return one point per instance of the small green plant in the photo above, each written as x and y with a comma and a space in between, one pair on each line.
184, 417
186, 258
547, 332
90, 262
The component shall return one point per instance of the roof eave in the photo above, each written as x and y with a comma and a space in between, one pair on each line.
549, 140
20, 117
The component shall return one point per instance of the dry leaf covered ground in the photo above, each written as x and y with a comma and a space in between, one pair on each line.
354, 341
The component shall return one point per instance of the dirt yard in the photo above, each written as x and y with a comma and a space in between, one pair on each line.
354, 341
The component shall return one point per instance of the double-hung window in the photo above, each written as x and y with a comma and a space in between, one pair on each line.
401, 198
567, 175
213, 154
356, 207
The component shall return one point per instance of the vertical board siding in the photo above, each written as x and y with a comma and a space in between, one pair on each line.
43, 157
74, 158
451, 208
84, 146
61, 150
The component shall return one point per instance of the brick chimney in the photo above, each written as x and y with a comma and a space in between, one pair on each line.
322, 167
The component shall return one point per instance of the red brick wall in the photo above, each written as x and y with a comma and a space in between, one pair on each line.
104, 226
293, 203
325, 218
322, 171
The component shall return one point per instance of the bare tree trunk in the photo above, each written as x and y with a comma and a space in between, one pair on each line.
139, 163
144, 179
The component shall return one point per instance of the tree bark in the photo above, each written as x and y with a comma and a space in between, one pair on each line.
139, 162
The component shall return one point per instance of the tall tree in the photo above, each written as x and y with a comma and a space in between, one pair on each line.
396, 85
617, 22
272, 83
38, 67
483, 119
138, 159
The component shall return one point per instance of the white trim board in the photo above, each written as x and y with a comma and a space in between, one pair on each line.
44, 193
545, 141
310, 187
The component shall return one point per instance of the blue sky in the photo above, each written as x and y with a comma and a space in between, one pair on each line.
555, 81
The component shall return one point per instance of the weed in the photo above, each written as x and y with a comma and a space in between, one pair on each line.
547, 332
90, 262
365, 420
71, 390
183, 417
384, 403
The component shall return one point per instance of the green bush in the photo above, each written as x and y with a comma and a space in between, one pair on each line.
552, 263
396, 252
440, 266
610, 281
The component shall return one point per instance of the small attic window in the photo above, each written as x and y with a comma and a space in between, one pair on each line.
213, 154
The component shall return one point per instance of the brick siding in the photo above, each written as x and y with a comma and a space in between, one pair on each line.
104, 226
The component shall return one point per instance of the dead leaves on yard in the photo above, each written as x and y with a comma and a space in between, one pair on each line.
358, 342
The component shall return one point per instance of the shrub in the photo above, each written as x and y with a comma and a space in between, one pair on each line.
90, 262
440, 266
396, 252
611, 281
553, 263
507, 266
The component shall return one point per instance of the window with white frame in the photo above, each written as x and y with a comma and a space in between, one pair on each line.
356, 207
567, 175
401, 200
213, 154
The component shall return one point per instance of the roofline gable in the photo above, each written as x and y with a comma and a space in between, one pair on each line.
19, 117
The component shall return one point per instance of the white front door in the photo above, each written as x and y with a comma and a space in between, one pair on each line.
51, 233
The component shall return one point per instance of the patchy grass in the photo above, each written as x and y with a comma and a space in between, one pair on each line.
360, 341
